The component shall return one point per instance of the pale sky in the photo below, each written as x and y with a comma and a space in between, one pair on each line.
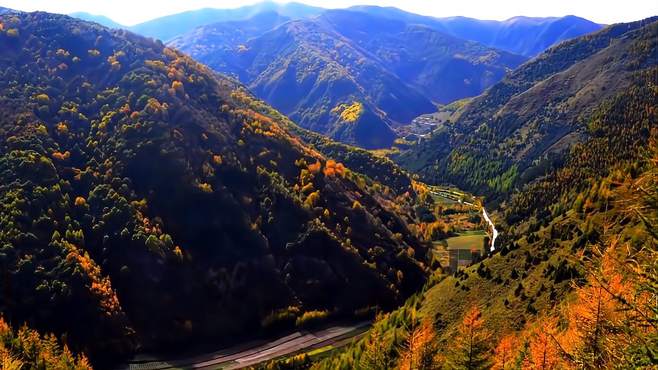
129, 12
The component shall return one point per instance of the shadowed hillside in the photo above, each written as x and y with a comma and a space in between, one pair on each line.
148, 202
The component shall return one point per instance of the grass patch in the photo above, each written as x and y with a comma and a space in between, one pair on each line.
473, 232
466, 242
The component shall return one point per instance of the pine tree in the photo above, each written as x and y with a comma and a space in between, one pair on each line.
376, 353
420, 349
504, 353
471, 347
544, 352
597, 320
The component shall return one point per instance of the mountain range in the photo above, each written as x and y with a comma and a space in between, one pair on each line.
371, 62
151, 204
526, 36
314, 69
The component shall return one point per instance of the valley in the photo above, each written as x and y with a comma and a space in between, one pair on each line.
284, 186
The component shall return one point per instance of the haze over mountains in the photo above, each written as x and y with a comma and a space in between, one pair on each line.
520, 35
312, 63
526, 36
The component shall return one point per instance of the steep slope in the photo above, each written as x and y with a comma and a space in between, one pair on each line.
168, 27
519, 35
572, 277
150, 203
100, 19
372, 68
525, 125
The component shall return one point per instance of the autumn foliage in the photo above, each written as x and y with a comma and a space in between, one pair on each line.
544, 353
420, 351
471, 346
27, 349
504, 353
332, 169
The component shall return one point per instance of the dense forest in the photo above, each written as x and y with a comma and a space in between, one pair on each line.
148, 202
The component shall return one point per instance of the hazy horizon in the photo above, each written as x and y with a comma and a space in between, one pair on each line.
605, 12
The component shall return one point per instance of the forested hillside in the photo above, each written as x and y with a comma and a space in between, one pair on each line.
149, 203
349, 75
573, 282
524, 126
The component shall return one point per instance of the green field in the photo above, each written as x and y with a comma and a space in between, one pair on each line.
470, 241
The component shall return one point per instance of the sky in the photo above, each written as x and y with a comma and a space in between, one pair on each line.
130, 12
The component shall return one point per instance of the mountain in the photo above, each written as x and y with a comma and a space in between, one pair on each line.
100, 19
346, 74
519, 35
524, 126
168, 27
150, 203
577, 250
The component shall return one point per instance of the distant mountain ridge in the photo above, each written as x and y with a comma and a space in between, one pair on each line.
100, 19
168, 27
527, 36
311, 69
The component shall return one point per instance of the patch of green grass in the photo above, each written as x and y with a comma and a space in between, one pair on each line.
466, 242
473, 232
443, 200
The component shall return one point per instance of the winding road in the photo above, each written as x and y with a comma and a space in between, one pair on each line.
256, 352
